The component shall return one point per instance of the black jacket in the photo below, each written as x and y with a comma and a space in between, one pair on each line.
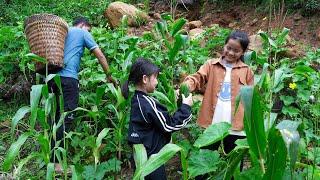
151, 124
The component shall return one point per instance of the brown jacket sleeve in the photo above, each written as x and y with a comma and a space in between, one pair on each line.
250, 77
198, 80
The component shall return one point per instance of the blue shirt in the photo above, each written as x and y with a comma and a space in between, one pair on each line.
77, 39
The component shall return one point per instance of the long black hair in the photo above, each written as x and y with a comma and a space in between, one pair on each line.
242, 37
139, 68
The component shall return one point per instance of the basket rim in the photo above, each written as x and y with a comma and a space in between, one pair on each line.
45, 17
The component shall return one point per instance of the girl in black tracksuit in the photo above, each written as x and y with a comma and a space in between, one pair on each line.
150, 122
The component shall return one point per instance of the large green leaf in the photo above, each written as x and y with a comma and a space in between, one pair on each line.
267, 39
99, 93
76, 173
57, 80
264, 75
90, 172
45, 147
14, 151
157, 160
35, 95
268, 123
184, 163
162, 98
18, 116
212, 134
254, 122
140, 155
177, 26
249, 57
180, 41
96, 152
291, 137
234, 158
50, 171
36, 58
276, 156
161, 28
102, 135
282, 37
202, 162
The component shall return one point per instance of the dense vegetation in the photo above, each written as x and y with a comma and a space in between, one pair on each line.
282, 124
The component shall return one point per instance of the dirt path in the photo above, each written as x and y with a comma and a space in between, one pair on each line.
303, 29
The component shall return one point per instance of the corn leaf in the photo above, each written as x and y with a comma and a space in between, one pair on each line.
13, 151
254, 122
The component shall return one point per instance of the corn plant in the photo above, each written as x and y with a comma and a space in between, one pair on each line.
145, 166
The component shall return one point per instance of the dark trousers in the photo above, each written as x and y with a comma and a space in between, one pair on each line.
70, 93
228, 146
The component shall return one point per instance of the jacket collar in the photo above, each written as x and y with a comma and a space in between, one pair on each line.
239, 63
140, 92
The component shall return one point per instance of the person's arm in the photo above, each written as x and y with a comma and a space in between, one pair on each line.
250, 77
197, 80
102, 60
161, 118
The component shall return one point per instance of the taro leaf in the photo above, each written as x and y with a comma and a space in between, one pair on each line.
291, 111
303, 69
287, 100
212, 134
112, 165
234, 158
254, 122
35, 95
18, 116
157, 160
276, 155
140, 156
13, 151
202, 162
177, 26
50, 171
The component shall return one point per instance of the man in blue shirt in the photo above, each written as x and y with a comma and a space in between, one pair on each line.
77, 39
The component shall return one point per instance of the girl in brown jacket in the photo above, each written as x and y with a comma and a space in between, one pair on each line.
220, 80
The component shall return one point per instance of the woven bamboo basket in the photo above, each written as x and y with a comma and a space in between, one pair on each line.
46, 35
